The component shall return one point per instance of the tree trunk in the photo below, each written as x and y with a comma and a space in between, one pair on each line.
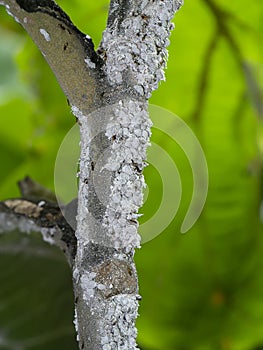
108, 90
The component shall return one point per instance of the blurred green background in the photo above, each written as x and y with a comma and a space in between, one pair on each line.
202, 290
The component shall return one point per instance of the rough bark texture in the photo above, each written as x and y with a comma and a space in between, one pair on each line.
108, 91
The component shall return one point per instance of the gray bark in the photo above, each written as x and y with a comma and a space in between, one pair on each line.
108, 90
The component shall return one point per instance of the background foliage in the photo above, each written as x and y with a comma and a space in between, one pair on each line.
202, 290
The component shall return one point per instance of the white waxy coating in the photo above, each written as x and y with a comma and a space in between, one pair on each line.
130, 129
45, 34
139, 45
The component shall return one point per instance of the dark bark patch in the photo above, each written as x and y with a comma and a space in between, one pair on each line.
117, 277
95, 254
33, 5
45, 6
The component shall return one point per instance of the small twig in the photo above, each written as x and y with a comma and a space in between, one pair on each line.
221, 16
204, 77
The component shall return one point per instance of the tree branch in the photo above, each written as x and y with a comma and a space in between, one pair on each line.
221, 17
134, 43
64, 47
108, 92
114, 140
38, 216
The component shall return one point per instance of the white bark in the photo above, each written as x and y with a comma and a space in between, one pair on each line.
108, 92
